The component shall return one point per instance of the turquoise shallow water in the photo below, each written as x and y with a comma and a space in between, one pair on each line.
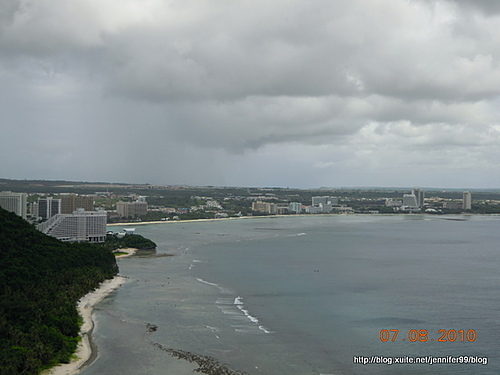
304, 295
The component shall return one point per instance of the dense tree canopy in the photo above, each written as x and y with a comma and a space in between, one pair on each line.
41, 280
130, 240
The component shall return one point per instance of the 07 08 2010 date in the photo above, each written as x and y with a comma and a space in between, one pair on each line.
423, 335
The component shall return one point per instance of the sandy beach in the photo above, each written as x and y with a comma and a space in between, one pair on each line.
128, 252
174, 221
85, 307
134, 223
86, 352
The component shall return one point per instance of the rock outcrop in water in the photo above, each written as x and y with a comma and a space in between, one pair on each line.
207, 365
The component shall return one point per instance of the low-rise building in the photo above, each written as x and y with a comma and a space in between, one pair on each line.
314, 210
391, 202
451, 205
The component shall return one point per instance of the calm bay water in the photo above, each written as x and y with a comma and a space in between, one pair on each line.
304, 295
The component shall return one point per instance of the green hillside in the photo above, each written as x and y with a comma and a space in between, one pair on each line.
41, 280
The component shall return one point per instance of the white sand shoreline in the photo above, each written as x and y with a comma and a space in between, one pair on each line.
178, 221
128, 252
133, 223
86, 352
85, 308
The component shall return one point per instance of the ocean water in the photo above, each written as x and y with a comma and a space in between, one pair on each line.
308, 294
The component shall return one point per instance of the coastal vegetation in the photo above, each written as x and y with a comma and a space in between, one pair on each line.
130, 240
41, 280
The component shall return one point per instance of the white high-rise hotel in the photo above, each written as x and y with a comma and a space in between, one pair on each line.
80, 226
467, 200
14, 202
410, 200
420, 196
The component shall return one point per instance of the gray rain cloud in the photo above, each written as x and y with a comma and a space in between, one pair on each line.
281, 93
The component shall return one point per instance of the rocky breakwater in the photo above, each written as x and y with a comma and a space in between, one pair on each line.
207, 365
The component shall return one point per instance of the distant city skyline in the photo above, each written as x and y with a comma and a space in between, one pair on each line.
302, 94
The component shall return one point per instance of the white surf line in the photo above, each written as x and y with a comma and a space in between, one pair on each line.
238, 301
206, 282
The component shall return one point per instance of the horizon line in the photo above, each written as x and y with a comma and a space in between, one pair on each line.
362, 187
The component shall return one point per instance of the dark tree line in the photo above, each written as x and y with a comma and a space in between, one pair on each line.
130, 240
41, 280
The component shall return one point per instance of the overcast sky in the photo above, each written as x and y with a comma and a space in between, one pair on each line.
290, 93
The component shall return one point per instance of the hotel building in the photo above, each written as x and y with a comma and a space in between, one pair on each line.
295, 207
467, 200
14, 202
131, 209
270, 208
79, 226
410, 200
70, 203
48, 207
323, 204
420, 196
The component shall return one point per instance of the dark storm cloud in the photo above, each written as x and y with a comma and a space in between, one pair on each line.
365, 83
487, 7
233, 55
